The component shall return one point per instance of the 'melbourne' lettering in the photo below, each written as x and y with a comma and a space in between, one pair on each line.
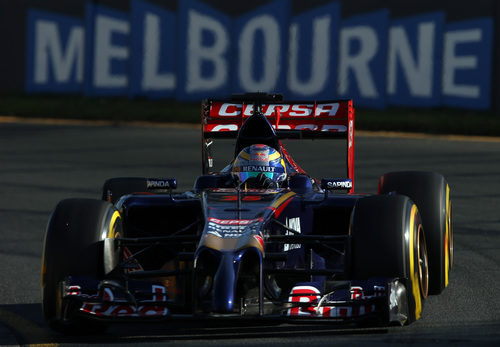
378, 61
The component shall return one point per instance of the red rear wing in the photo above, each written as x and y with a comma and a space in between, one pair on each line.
301, 119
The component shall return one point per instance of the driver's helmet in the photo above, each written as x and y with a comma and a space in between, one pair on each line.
259, 159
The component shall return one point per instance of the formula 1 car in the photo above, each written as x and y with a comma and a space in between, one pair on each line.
306, 249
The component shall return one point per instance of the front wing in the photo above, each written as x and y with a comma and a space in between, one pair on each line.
380, 300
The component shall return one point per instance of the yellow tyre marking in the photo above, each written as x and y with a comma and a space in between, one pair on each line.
112, 224
447, 239
413, 274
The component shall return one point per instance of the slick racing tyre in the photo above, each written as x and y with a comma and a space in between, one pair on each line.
115, 188
380, 248
431, 193
72, 246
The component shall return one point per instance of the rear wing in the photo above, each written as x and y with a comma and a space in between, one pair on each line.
289, 119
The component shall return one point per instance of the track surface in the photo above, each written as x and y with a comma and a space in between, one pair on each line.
42, 164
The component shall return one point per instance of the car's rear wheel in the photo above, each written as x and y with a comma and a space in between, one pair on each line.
431, 193
73, 246
388, 240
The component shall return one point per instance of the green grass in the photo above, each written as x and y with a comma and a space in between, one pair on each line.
437, 121
431, 121
116, 109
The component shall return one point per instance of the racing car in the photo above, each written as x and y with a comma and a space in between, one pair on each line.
259, 239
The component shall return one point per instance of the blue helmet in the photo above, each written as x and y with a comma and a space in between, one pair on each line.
259, 159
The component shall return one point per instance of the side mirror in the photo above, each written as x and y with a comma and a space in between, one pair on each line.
336, 183
161, 183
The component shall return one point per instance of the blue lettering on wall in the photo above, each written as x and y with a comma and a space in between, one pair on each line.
107, 51
204, 52
152, 60
260, 49
312, 53
199, 52
467, 64
55, 53
414, 60
363, 59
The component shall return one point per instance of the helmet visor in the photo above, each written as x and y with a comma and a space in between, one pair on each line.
245, 172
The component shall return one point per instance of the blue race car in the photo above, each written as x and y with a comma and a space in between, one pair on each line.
258, 239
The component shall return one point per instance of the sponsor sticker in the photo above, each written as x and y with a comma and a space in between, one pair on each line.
125, 309
161, 183
330, 183
303, 294
310, 294
295, 110
232, 228
292, 223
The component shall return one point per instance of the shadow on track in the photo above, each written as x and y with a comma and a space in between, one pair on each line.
23, 324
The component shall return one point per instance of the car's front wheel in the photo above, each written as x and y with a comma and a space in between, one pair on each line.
431, 193
73, 246
388, 240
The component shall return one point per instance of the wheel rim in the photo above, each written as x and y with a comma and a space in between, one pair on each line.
423, 264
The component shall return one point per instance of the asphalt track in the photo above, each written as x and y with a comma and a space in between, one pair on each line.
41, 164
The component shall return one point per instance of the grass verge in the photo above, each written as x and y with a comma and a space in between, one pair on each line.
434, 121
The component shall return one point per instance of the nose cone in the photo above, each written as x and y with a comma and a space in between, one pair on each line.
225, 283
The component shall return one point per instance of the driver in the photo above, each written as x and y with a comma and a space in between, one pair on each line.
259, 167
